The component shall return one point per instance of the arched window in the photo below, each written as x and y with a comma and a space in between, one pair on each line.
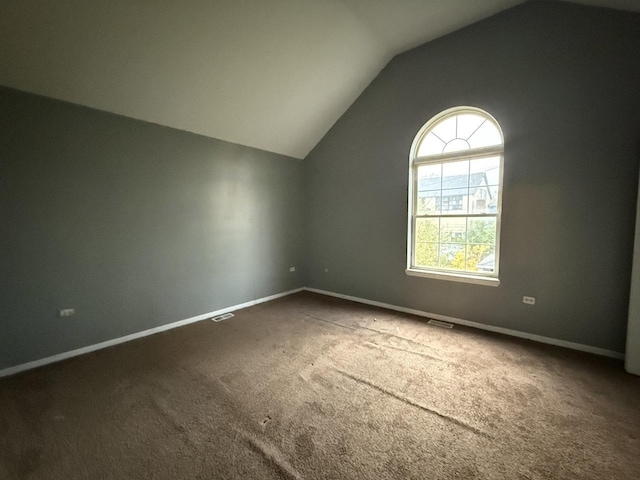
455, 197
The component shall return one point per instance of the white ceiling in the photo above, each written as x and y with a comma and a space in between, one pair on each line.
271, 74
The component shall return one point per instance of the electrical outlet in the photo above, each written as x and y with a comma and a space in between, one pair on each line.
66, 312
529, 300
292, 269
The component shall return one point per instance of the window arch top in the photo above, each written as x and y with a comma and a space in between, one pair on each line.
458, 130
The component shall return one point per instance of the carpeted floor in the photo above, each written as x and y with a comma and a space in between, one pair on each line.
314, 387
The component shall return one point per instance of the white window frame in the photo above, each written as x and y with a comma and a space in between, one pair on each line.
479, 278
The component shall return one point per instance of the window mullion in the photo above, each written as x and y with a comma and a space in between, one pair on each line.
462, 155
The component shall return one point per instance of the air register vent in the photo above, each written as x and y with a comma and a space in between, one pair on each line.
440, 323
224, 316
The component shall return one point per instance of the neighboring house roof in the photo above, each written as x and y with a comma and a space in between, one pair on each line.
476, 180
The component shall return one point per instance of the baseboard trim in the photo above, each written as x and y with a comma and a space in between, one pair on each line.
481, 326
162, 328
145, 333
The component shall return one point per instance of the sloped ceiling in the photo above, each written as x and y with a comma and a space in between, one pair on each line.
271, 74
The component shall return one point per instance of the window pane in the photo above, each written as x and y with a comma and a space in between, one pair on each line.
489, 166
455, 174
467, 124
446, 129
427, 229
452, 256
482, 230
485, 136
453, 201
481, 258
453, 230
455, 180
483, 200
426, 255
430, 177
429, 203
456, 145
430, 145
494, 201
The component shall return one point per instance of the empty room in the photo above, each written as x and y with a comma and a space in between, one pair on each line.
302, 239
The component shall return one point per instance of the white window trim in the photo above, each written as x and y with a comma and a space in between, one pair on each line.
491, 279
454, 277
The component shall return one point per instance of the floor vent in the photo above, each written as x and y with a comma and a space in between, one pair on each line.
440, 323
224, 316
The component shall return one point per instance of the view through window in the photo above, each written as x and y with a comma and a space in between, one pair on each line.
455, 194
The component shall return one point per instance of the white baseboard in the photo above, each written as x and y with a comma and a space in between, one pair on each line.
145, 333
482, 326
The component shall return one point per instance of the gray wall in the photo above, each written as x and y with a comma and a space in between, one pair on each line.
132, 224
564, 83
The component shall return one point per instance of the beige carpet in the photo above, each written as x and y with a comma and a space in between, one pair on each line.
313, 387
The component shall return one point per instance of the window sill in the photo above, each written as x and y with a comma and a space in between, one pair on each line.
455, 277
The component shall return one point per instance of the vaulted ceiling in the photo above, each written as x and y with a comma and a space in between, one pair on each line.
271, 74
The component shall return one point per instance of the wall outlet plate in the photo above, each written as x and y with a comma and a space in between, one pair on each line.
292, 269
529, 300
66, 312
